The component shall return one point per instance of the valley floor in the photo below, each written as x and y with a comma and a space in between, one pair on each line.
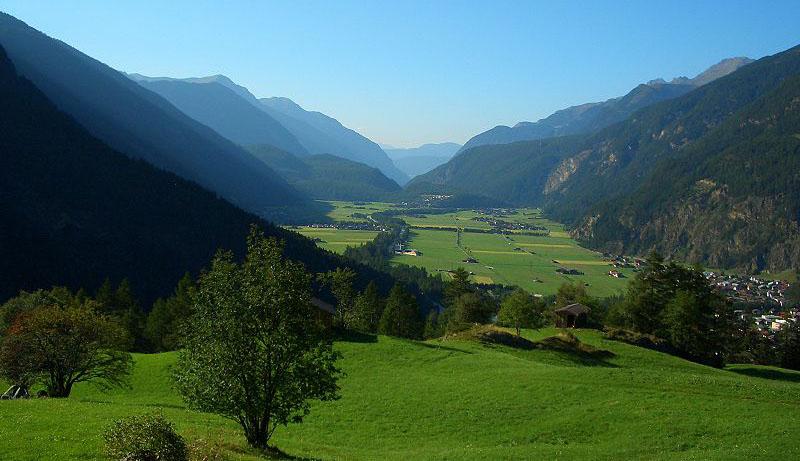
464, 400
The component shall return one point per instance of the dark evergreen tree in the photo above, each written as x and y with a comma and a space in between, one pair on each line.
433, 327
163, 329
789, 350
367, 310
401, 315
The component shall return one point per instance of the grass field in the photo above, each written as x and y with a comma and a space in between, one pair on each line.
336, 240
343, 211
517, 259
461, 400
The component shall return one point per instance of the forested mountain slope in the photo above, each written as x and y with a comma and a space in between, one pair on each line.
321, 134
142, 124
73, 211
328, 177
225, 111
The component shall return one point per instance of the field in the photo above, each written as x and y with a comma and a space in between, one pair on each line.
523, 260
343, 211
336, 240
462, 400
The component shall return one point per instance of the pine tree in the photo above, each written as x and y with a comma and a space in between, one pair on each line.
401, 315
433, 328
367, 310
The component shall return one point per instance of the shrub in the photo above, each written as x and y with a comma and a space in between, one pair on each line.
144, 438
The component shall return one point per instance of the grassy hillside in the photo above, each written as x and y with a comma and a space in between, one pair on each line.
463, 400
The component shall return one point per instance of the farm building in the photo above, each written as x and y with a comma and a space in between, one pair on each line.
572, 316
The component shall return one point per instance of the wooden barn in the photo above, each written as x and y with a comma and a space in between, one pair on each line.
572, 316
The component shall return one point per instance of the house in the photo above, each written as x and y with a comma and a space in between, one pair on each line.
325, 311
572, 316
615, 273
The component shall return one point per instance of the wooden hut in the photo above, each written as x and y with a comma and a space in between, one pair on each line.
572, 316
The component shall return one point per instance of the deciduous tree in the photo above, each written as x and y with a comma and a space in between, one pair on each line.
62, 346
254, 352
521, 310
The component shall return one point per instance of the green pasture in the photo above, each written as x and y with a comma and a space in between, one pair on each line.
460, 400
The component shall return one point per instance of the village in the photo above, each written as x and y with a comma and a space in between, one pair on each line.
761, 301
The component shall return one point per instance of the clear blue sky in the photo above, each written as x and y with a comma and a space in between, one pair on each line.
408, 72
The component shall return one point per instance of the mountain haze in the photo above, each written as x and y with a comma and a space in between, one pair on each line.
143, 125
327, 177
225, 111
321, 134
418, 160
73, 211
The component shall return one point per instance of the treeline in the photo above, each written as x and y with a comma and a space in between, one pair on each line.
674, 309
378, 253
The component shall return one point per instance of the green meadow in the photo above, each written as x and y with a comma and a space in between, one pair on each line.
517, 259
336, 240
463, 400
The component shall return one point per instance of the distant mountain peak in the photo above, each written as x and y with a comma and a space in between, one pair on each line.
592, 116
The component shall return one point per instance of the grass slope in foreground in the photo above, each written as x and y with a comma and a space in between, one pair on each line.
462, 400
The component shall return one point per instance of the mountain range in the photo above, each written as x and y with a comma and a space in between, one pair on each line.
709, 176
235, 113
143, 125
241, 117
74, 211
590, 117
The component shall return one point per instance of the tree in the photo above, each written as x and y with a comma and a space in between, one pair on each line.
342, 281
164, 323
121, 304
570, 293
789, 349
793, 292
433, 325
468, 309
254, 351
401, 315
62, 346
458, 285
521, 310
697, 324
367, 310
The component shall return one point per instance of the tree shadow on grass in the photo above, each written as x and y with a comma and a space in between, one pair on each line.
565, 346
439, 345
350, 336
768, 373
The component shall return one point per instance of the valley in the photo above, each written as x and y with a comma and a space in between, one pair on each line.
399, 231
445, 241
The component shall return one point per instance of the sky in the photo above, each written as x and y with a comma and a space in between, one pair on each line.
407, 72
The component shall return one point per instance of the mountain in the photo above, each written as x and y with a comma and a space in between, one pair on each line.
314, 132
590, 117
224, 110
706, 177
226, 107
321, 134
327, 177
418, 160
513, 173
138, 122
74, 211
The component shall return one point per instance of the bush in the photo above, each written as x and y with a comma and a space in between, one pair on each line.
144, 438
